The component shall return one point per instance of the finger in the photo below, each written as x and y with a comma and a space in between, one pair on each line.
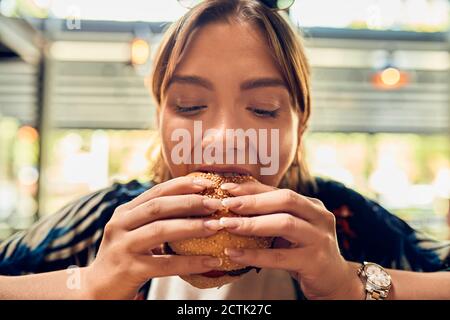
171, 265
169, 207
180, 185
281, 200
316, 201
285, 259
249, 187
284, 225
147, 237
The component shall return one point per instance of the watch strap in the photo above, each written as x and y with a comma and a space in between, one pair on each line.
374, 295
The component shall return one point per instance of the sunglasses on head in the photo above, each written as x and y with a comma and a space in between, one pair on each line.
272, 4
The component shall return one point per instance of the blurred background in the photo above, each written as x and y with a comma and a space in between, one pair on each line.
76, 114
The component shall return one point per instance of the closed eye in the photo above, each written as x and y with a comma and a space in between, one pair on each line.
189, 110
264, 113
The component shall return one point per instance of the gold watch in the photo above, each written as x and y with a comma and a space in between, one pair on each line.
377, 282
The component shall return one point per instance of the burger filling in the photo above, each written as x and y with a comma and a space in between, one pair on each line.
216, 273
220, 273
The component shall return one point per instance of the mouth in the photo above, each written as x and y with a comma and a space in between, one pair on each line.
224, 170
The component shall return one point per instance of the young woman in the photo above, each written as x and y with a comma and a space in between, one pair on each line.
227, 64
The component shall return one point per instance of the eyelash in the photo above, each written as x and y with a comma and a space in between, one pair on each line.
264, 113
193, 110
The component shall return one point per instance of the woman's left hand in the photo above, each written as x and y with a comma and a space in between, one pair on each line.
311, 253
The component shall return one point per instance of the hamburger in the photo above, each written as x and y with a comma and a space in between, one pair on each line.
214, 245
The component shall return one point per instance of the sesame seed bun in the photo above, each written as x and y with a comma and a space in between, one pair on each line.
215, 244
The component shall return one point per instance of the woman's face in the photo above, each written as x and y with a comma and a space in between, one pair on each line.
227, 79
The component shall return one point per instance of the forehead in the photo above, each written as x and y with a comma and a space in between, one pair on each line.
224, 49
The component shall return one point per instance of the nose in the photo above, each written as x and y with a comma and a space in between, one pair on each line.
215, 134
227, 138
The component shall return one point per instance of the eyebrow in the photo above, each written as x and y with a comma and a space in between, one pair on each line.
193, 80
262, 83
246, 85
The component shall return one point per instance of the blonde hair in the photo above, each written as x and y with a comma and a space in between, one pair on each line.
285, 45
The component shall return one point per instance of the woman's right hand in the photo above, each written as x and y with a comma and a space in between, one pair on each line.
125, 260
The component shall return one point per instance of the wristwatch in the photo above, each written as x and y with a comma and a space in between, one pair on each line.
377, 282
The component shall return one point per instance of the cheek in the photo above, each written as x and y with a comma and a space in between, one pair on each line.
167, 126
287, 149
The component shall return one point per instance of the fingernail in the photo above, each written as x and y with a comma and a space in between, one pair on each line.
212, 204
229, 223
231, 202
234, 252
228, 186
202, 182
212, 262
213, 224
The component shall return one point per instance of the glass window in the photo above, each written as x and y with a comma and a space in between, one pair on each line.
19, 148
411, 15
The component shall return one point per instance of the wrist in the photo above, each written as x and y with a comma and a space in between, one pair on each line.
94, 286
98, 286
352, 288
357, 288
89, 289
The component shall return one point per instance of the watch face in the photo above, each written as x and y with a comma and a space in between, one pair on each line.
377, 276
